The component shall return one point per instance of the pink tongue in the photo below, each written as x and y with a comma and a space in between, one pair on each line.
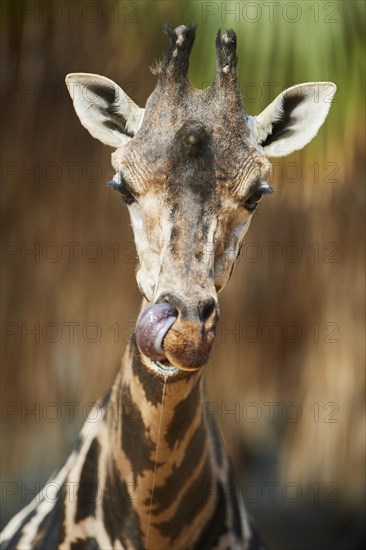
152, 327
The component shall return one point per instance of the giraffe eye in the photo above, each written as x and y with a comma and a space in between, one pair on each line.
127, 196
118, 184
252, 201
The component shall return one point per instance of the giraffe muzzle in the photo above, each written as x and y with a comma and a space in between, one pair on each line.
166, 334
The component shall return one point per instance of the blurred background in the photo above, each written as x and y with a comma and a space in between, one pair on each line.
286, 377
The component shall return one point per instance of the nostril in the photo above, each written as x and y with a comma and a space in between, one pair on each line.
196, 311
173, 301
206, 309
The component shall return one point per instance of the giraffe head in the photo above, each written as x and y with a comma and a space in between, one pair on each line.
192, 167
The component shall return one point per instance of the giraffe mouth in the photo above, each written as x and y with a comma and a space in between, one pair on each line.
152, 327
164, 336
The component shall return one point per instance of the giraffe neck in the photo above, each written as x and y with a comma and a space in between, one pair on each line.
151, 473
163, 464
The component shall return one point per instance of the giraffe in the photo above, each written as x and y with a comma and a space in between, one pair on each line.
191, 167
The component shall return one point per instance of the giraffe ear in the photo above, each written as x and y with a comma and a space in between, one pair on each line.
103, 108
293, 118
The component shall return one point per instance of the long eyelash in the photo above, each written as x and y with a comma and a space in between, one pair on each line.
266, 190
262, 187
115, 183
